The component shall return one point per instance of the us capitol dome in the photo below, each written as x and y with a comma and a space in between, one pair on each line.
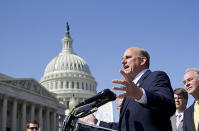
68, 76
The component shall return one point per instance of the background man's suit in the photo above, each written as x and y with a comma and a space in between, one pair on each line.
188, 124
173, 123
155, 115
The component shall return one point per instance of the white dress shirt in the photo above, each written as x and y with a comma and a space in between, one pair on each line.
143, 99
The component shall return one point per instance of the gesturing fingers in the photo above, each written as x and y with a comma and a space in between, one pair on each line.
130, 88
122, 95
121, 88
126, 77
125, 83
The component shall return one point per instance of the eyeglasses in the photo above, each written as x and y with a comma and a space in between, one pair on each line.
32, 128
189, 80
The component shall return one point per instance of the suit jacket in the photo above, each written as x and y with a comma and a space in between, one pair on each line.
188, 124
111, 125
153, 116
173, 124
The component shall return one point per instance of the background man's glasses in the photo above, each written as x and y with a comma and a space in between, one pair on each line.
32, 128
189, 80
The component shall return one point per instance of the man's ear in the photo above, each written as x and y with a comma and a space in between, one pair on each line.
143, 61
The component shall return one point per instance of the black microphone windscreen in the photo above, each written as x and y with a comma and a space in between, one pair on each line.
105, 94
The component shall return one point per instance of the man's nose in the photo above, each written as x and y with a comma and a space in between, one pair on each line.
187, 84
123, 61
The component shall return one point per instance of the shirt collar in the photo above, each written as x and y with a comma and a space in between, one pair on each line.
182, 115
139, 75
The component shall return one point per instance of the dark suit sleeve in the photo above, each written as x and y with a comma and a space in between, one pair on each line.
110, 125
160, 94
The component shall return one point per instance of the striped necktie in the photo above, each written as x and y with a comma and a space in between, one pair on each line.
196, 114
178, 120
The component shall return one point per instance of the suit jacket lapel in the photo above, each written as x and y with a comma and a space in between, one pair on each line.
141, 80
127, 100
173, 122
191, 114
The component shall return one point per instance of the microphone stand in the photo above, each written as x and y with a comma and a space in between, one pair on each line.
70, 120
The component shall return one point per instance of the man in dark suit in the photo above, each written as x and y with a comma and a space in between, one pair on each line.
148, 99
181, 99
191, 114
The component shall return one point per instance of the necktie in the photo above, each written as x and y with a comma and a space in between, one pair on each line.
178, 120
196, 114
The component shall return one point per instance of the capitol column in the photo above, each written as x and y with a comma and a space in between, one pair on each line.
47, 119
32, 113
54, 121
4, 113
40, 118
14, 115
70, 84
23, 116
59, 85
57, 121
75, 84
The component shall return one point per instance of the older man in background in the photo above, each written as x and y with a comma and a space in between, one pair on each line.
191, 114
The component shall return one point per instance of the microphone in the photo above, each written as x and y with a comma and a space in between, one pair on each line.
87, 107
101, 98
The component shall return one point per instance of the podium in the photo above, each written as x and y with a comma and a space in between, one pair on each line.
82, 126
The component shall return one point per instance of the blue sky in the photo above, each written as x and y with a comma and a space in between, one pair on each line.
31, 33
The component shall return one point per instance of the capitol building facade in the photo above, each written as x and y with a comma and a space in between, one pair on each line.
24, 99
67, 81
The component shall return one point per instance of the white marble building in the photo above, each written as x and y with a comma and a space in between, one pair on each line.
68, 75
22, 100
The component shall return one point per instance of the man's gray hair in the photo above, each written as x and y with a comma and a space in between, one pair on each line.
144, 53
192, 70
